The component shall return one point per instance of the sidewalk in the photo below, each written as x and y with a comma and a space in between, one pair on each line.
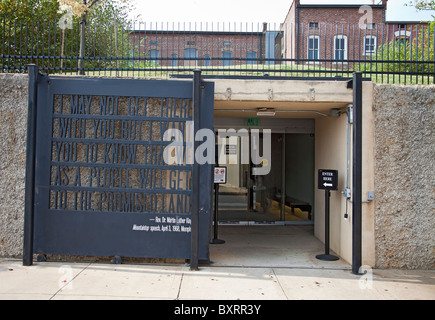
255, 263
80, 281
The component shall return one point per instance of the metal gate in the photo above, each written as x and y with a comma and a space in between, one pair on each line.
97, 183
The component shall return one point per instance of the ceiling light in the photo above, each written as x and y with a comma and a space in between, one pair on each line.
266, 112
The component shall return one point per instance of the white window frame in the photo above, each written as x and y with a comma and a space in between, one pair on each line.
318, 49
340, 36
370, 52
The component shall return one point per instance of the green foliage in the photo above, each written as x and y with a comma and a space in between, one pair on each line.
411, 56
30, 29
29, 10
424, 4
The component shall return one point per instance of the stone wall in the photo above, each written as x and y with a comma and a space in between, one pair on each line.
13, 124
404, 176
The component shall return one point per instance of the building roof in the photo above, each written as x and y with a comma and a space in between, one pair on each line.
381, 6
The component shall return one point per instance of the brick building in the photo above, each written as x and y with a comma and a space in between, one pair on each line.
331, 32
203, 48
334, 36
404, 31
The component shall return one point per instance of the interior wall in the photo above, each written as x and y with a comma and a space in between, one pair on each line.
331, 153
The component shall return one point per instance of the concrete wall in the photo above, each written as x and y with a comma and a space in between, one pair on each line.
404, 176
13, 123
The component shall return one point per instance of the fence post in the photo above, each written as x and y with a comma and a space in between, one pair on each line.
357, 174
81, 62
194, 260
30, 167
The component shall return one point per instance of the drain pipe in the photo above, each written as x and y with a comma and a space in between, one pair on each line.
346, 192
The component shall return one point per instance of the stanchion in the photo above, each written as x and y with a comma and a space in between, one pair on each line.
215, 239
327, 256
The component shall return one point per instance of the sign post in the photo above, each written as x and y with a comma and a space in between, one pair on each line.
327, 180
220, 177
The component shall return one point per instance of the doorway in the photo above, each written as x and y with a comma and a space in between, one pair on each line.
257, 199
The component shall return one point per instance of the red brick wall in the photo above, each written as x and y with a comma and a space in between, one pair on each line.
211, 44
411, 30
338, 22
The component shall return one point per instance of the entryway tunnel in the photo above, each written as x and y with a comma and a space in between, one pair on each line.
311, 129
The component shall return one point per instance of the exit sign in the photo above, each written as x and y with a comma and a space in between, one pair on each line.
252, 122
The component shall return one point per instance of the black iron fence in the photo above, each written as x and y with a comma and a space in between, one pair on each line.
387, 53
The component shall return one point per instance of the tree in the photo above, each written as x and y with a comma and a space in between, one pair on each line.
21, 25
29, 10
31, 32
423, 4
413, 55
106, 15
80, 9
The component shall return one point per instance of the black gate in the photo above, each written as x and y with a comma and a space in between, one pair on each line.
97, 183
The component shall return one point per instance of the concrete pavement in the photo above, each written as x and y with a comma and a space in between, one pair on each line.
255, 263
82, 281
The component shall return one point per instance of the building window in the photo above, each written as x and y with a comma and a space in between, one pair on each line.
153, 42
402, 40
340, 48
174, 60
154, 56
251, 57
371, 26
227, 43
191, 43
401, 26
207, 61
313, 47
369, 45
190, 54
227, 58
314, 25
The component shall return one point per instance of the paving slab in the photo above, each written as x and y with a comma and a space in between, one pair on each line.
231, 284
255, 263
121, 282
97, 281
38, 282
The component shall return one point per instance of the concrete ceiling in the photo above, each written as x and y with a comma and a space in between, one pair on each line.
288, 109
288, 98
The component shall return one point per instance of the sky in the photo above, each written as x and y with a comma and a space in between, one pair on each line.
249, 11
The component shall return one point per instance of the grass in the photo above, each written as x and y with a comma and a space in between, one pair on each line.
294, 71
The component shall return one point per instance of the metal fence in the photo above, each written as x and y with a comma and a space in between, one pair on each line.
387, 53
